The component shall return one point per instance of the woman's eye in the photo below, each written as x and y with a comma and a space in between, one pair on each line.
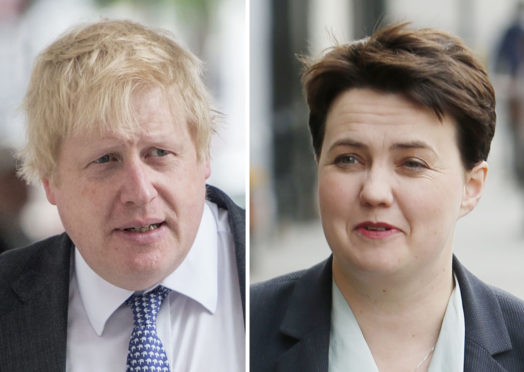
346, 159
414, 164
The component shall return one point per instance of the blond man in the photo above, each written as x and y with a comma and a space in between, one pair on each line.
149, 274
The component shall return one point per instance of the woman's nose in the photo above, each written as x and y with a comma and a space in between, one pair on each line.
376, 189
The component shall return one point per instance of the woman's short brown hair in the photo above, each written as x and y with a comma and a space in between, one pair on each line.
432, 68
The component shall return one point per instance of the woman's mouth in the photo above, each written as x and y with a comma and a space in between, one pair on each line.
376, 230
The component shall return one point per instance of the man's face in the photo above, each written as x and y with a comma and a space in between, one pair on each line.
133, 205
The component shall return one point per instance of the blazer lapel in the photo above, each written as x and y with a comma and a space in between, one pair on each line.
477, 359
486, 331
237, 223
307, 322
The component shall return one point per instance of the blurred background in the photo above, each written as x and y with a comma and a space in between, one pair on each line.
211, 29
286, 234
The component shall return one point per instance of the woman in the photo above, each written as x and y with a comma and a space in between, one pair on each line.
401, 124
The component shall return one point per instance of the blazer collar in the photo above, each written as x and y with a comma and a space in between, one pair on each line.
307, 321
236, 217
50, 269
486, 333
308, 317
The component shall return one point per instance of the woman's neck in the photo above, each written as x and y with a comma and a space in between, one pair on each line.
400, 315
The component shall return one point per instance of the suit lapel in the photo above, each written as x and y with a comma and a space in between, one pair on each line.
39, 310
310, 354
237, 223
307, 322
477, 359
486, 332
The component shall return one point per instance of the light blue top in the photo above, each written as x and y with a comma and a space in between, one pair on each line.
348, 350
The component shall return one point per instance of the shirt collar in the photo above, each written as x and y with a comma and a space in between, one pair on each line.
195, 277
449, 350
99, 297
349, 351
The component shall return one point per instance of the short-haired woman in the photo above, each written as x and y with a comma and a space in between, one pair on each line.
401, 124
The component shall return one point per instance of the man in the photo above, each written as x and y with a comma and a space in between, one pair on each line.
119, 125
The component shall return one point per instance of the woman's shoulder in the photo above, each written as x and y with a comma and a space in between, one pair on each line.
274, 291
512, 308
279, 288
271, 299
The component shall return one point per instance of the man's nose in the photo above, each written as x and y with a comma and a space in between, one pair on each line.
376, 189
137, 184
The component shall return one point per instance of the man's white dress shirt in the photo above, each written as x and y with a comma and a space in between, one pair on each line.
200, 322
348, 350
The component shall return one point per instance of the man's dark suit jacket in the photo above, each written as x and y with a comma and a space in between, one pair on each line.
34, 294
291, 315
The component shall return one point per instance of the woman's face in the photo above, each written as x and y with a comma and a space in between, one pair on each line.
391, 184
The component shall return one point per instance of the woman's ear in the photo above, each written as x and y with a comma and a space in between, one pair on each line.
473, 187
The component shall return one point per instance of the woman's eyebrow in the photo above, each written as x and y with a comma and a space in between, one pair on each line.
416, 144
347, 142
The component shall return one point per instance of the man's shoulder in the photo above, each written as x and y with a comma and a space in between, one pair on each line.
222, 200
236, 214
237, 223
19, 260
33, 308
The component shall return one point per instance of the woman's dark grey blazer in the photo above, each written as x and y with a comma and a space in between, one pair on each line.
290, 323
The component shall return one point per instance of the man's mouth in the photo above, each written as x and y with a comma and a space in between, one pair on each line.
144, 229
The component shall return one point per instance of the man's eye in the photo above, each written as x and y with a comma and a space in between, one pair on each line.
159, 152
105, 159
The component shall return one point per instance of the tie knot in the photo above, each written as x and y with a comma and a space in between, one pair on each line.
146, 306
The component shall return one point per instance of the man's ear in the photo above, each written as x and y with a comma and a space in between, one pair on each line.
473, 187
49, 190
207, 165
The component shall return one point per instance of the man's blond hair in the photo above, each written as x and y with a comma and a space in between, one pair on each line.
85, 81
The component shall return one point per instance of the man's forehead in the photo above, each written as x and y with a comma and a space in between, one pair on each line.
165, 112
103, 135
